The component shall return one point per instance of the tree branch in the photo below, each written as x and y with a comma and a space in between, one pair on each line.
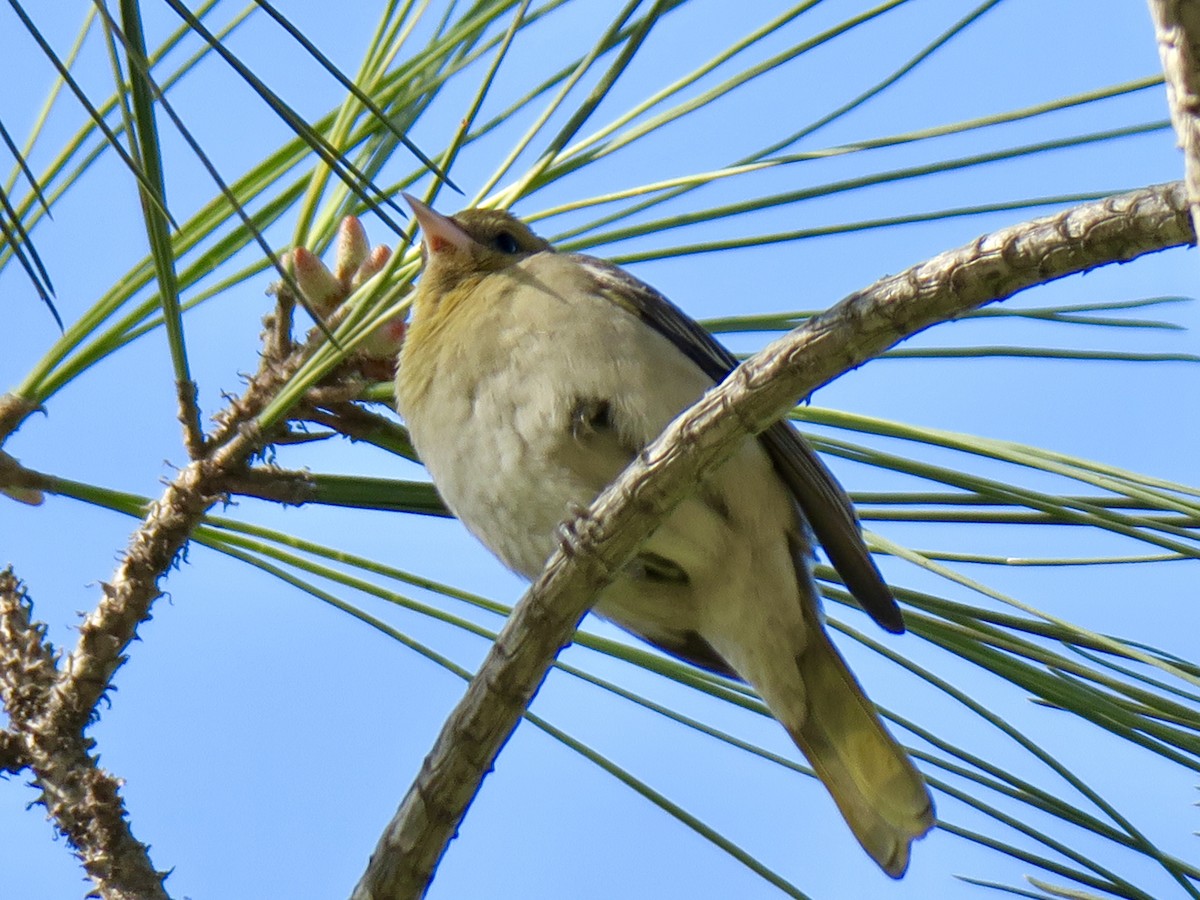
82, 798
595, 544
51, 706
286, 486
1177, 28
21, 484
108, 629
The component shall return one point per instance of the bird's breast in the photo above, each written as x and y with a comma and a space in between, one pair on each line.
496, 399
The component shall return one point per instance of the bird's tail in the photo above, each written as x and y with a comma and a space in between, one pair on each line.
880, 793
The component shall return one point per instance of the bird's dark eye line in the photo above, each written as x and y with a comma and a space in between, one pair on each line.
506, 243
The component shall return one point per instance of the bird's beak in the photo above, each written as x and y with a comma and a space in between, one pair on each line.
440, 233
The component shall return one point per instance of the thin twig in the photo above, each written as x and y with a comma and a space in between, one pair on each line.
186, 393
286, 486
358, 424
595, 544
21, 483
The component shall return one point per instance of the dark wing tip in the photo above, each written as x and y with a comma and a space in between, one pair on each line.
831, 516
874, 596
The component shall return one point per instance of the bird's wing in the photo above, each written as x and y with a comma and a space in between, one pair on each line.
825, 505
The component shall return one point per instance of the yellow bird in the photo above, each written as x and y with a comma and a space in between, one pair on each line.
529, 379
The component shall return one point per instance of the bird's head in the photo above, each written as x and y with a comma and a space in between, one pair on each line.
469, 246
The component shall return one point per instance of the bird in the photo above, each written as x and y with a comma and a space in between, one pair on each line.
530, 378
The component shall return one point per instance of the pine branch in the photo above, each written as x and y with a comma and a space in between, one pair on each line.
83, 799
50, 702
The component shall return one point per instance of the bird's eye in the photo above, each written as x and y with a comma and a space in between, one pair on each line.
506, 243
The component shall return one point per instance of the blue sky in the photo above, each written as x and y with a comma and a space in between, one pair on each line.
266, 738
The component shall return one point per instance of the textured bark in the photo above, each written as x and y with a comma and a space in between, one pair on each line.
291, 488
83, 800
596, 543
1177, 28
112, 625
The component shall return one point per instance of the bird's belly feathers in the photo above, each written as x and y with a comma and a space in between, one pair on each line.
498, 414
499, 427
